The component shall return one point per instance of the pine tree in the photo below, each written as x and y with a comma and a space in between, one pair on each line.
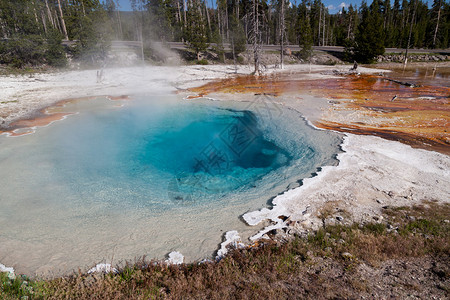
386, 12
305, 30
369, 39
89, 25
61, 18
396, 25
218, 46
238, 38
55, 54
445, 42
161, 20
195, 32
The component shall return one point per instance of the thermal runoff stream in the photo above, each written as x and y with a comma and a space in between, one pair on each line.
113, 183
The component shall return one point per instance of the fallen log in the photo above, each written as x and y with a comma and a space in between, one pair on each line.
413, 85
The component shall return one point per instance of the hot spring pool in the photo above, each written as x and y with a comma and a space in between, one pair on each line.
159, 174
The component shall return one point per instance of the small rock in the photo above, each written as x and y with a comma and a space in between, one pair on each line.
412, 218
175, 258
392, 228
102, 268
330, 222
347, 255
232, 239
339, 218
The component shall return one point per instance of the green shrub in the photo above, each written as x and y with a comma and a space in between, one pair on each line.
202, 62
33, 50
20, 51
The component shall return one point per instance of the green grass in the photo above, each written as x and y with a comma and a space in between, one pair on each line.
21, 287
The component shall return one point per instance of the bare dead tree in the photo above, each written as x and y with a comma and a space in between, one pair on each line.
410, 32
226, 22
119, 21
178, 12
3, 27
138, 8
437, 23
282, 32
323, 27
207, 15
255, 35
82, 7
320, 21
50, 17
33, 5
63, 24
184, 12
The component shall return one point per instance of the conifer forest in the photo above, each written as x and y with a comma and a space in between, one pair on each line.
32, 31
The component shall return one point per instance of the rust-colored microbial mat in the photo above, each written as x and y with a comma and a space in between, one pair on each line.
46, 116
418, 116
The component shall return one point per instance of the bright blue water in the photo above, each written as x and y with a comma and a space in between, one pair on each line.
156, 175
165, 155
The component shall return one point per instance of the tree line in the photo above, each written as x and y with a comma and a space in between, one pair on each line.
32, 30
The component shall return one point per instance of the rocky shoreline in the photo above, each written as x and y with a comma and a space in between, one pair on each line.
412, 57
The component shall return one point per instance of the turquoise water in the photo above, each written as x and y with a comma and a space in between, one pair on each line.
156, 175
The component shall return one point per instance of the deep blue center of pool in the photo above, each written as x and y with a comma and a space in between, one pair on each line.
154, 154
